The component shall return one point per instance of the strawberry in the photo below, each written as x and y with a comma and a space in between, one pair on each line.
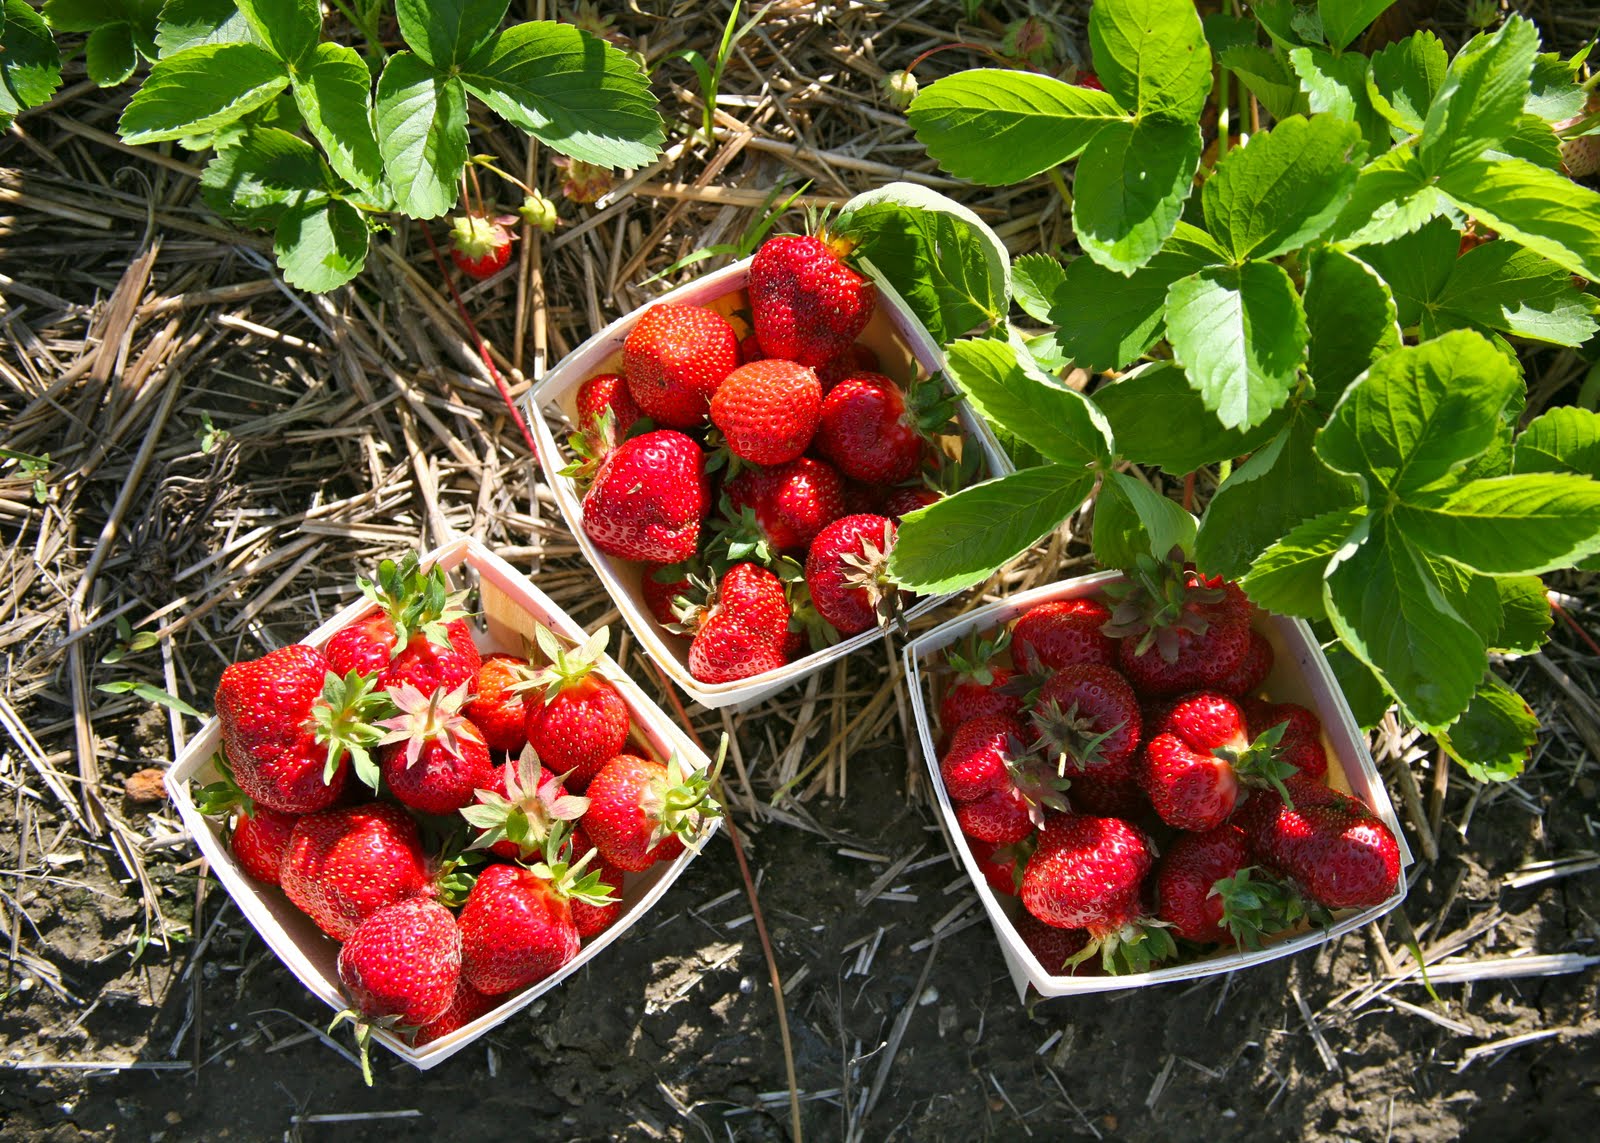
344, 865
290, 725
1179, 632
465, 1006
402, 964
514, 815
1087, 874
1252, 671
1330, 844
649, 498
516, 927
662, 587
861, 499
750, 349
260, 840
870, 432
1002, 865
1301, 744
1090, 80
1210, 893
1107, 797
998, 817
603, 394
980, 685
1061, 633
744, 629
909, 499
429, 662
807, 304
409, 600
481, 247
767, 410
496, 709
981, 753
433, 758
1200, 754
847, 573
790, 503
581, 719
1055, 948
641, 811
1088, 721
856, 359
674, 358
592, 920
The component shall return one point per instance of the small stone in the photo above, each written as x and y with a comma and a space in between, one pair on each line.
930, 995
146, 786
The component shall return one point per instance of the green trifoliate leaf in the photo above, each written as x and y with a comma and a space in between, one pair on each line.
289, 28
1003, 385
1363, 690
109, 54
444, 33
1563, 439
578, 94
940, 257
30, 67
1420, 412
1156, 417
1284, 187
1508, 525
1344, 20
1034, 281
1483, 93
1524, 615
1131, 184
1287, 577
334, 94
201, 89
1538, 208
1106, 321
320, 244
1392, 198
422, 134
1337, 85
1240, 332
1555, 92
994, 126
1404, 79
255, 177
1133, 521
1495, 738
1281, 485
1350, 318
1267, 77
190, 23
962, 539
1387, 611
1152, 56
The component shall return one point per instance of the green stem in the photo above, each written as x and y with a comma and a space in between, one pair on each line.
1061, 185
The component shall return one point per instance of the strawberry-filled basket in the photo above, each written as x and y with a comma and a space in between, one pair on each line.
467, 885
738, 548
1150, 781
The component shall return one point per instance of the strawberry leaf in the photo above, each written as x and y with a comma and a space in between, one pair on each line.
30, 66
1337, 85
1343, 20
201, 89
1484, 90
1287, 577
421, 118
334, 94
1157, 418
1130, 189
1404, 79
190, 23
1350, 318
1496, 734
1152, 56
320, 244
443, 33
1507, 525
1538, 208
289, 28
1004, 386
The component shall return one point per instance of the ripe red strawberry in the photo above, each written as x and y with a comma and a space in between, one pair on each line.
1090, 80
290, 727
1087, 874
674, 358
641, 811
496, 709
862, 499
661, 586
260, 840
980, 756
1055, 948
750, 349
481, 247
592, 920
515, 813
465, 1006
1179, 632
1252, 671
847, 573
516, 927
868, 431
429, 662
998, 817
649, 498
1088, 721
909, 499
980, 684
1061, 633
1301, 745
857, 359
344, 865
744, 630
1002, 865
1210, 893
1331, 845
1104, 797
791, 503
576, 718
433, 758
1200, 753
408, 600
807, 304
768, 410
603, 394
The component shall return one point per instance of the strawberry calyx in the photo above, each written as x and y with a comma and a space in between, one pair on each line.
737, 535
972, 659
569, 878
538, 211
364, 1027
346, 719
220, 798
564, 668
1255, 905
591, 444
476, 236
415, 600
1155, 602
528, 810
930, 406
428, 718
1262, 763
868, 571
455, 871
804, 616
1070, 738
1041, 786
680, 802
1137, 945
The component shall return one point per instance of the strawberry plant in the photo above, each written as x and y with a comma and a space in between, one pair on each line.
321, 143
1303, 319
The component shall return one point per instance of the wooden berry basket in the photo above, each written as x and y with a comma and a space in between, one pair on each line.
1300, 674
510, 606
904, 349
